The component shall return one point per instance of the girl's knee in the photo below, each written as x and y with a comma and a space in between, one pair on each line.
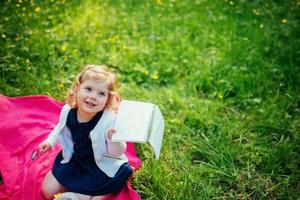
48, 191
50, 186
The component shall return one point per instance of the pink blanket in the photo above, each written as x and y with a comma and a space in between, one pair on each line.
24, 123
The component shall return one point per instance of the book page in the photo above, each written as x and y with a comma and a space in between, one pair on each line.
157, 132
133, 120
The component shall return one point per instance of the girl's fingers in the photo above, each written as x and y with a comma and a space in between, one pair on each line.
44, 147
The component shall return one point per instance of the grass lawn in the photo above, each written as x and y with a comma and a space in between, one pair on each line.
225, 73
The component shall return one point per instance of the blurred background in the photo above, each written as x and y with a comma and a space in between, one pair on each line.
225, 74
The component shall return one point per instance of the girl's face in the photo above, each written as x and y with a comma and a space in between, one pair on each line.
92, 96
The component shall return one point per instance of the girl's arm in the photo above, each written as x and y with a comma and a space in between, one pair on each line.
51, 140
115, 148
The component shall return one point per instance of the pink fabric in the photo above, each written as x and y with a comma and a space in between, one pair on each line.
24, 123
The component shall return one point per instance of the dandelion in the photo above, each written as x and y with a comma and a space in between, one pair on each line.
124, 47
146, 72
159, 2
37, 9
284, 21
61, 85
154, 76
63, 48
113, 39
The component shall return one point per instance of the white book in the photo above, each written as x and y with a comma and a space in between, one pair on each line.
139, 122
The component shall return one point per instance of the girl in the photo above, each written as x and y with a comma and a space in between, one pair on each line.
90, 164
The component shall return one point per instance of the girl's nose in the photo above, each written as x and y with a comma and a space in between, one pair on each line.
93, 96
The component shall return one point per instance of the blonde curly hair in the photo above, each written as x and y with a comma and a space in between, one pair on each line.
98, 73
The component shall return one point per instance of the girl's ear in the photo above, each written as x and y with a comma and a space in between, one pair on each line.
118, 99
114, 101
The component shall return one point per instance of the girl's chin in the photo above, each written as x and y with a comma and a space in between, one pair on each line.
91, 109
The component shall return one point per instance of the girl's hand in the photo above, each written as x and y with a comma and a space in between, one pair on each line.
44, 146
110, 133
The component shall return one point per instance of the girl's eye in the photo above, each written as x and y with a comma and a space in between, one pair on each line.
88, 89
101, 93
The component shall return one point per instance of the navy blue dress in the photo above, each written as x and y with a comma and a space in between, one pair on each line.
81, 174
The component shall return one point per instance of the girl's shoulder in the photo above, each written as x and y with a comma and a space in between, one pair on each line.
110, 114
66, 108
65, 111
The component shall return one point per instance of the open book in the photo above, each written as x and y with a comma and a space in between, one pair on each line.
139, 122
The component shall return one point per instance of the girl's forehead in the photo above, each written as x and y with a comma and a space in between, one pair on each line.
96, 83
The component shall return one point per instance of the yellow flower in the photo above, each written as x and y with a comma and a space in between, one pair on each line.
61, 85
159, 2
37, 9
285, 21
261, 26
146, 72
3, 36
63, 48
113, 39
154, 76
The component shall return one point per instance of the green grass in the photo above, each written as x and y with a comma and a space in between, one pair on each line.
224, 73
